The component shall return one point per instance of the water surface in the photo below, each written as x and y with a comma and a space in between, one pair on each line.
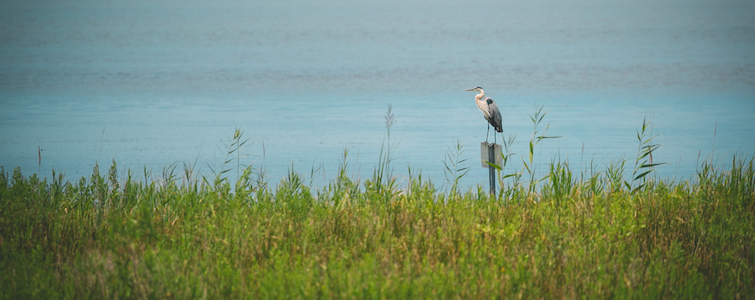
152, 83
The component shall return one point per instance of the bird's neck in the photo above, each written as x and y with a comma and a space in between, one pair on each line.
479, 96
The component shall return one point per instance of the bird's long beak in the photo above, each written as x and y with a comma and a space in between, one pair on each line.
470, 90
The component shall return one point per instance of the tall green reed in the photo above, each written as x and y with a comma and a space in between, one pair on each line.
535, 139
233, 152
383, 182
454, 169
506, 155
643, 164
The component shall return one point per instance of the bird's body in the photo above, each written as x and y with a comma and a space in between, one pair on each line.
489, 109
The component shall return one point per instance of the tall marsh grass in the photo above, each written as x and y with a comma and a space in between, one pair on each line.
588, 235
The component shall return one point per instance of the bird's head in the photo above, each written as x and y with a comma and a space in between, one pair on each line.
477, 89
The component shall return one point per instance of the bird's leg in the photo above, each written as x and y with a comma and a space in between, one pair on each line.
488, 134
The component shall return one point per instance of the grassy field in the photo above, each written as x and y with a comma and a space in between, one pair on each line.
571, 235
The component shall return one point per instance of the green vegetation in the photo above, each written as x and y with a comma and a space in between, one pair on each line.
186, 236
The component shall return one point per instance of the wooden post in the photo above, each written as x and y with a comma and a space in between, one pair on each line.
490, 153
491, 170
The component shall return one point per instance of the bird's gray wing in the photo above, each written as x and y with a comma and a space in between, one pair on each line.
495, 116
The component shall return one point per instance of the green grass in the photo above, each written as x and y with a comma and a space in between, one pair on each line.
106, 237
591, 235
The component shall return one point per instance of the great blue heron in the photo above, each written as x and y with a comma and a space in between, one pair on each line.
489, 110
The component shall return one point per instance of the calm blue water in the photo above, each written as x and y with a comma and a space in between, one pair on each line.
152, 83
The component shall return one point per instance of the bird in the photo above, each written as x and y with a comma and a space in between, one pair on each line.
489, 110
